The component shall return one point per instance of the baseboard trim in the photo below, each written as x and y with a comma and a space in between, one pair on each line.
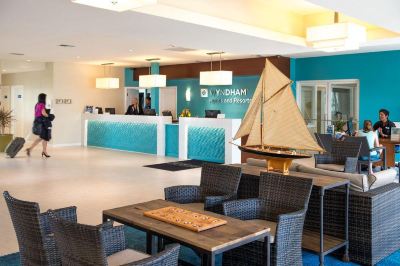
66, 145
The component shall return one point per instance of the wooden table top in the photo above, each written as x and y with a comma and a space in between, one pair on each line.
219, 238
319, 181
388, 141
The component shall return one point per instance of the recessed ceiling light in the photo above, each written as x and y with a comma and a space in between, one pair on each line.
16, 54
4, 70
77, 57
66, 45
28, 60
116, 5
130, 50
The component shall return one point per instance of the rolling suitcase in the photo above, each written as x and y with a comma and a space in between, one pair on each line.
15, 146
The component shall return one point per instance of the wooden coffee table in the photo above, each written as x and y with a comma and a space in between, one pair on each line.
208, 243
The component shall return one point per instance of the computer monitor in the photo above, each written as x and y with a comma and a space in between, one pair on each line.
99, 110
111, 111
350, 129
149, 112
212, 113
166, 113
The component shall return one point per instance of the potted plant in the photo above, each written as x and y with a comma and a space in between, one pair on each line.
5, 122
186, 113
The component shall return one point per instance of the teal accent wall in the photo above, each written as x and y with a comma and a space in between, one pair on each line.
378, 73
207, 144
172, 140
137, 137
155, 92
129, 82
198, 104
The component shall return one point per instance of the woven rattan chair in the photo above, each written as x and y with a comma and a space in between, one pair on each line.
35, 239
325, 141
88, 245
282, 206
218, 183
365, 153
343, 158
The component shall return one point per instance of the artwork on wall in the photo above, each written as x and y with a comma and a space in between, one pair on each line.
63, 101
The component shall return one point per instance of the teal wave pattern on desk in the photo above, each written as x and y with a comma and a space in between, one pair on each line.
207, 144
172, 140
127, 136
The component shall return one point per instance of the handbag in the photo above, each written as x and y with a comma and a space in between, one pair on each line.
37, 126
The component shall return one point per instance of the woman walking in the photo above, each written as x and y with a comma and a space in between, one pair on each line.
38, 126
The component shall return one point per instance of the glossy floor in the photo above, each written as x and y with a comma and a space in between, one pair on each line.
91, 179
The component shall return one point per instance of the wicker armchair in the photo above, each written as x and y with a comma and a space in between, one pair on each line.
35, 239
365, 153
325, 141
282, 206
81, 244
343, 158
218, 183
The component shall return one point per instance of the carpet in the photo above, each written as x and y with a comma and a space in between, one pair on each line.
177, 166
137, 240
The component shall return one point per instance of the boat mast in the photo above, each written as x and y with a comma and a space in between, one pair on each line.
262, 111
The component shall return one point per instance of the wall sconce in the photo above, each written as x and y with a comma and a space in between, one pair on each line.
187, 94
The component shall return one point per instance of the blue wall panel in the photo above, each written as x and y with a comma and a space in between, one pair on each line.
172, 140
379, 75
207, 144
137, 137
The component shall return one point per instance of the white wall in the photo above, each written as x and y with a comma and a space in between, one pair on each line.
77, 82
66, 81
34, 82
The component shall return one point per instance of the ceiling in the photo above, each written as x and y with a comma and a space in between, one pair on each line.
182, 31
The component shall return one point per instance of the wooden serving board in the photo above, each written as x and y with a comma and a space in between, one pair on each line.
187, 219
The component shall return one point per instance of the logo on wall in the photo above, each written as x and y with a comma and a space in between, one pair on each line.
204, 92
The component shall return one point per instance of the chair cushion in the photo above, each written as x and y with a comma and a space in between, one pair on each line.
382, 178
265, 224
359, 182
331, 167
125, 256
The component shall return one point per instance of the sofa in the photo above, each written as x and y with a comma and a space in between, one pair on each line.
374, 211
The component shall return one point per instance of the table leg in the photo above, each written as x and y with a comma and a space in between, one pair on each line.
105, 219
321, 227
150, 240
160, 244
267, 250
346, 224
208, 259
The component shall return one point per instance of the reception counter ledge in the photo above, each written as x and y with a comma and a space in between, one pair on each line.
206, 139
144, 134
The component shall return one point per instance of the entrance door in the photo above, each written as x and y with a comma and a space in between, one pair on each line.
17, 107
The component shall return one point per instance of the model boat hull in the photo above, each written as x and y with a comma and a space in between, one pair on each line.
277, 160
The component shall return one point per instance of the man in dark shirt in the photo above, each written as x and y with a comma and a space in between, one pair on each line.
147, 103
134, 108
384, 125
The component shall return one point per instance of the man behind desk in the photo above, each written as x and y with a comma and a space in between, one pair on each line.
147, 103
384, 125
134, 108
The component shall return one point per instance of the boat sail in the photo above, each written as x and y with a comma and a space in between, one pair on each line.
274, 124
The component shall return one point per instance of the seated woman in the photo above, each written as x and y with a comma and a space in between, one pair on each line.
373, 141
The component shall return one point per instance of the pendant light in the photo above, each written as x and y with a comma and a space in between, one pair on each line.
219, 77
152, 80
336, 37
107, 82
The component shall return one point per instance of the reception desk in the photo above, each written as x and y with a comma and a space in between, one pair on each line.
206, 139
145, 134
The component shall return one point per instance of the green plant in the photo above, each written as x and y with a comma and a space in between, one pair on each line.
339, 125
5, 120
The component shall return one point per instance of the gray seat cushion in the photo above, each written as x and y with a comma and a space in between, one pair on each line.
331, 167
125, 256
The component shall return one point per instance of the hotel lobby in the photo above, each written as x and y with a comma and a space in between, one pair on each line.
199, 132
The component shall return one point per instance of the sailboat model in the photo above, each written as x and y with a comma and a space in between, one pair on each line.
274, 124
